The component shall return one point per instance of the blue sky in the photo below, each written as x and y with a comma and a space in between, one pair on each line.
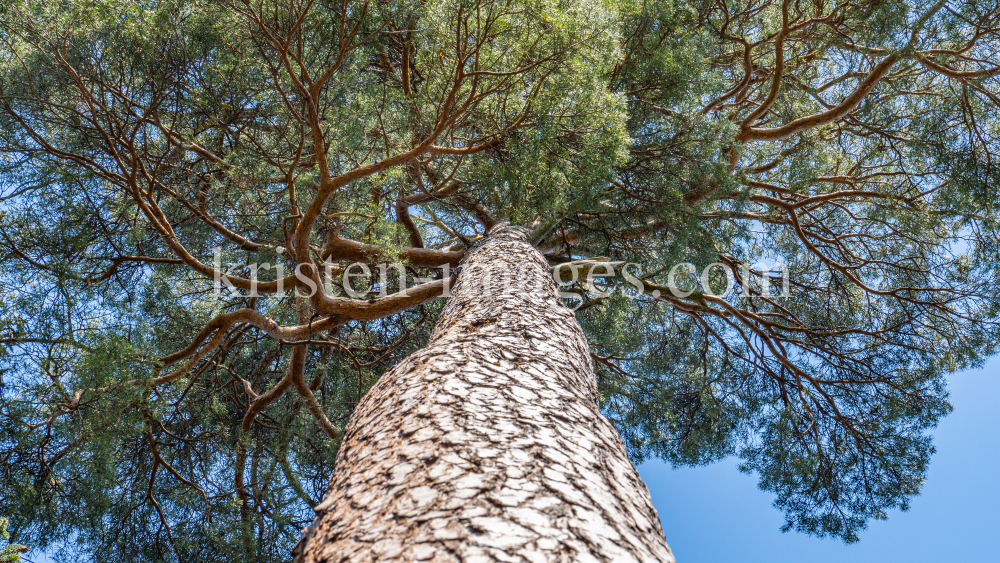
716, 514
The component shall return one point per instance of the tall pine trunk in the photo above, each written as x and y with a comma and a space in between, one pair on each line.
488, 444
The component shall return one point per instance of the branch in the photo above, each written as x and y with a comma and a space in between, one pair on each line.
338, 248
822, 118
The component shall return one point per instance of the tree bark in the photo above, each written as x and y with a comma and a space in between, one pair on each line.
488, 444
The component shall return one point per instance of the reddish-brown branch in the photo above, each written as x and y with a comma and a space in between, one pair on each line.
338, 248
822, 118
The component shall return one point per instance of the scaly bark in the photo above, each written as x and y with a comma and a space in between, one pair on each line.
488, 444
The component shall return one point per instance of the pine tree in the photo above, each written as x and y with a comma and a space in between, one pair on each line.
236, 236
9, 553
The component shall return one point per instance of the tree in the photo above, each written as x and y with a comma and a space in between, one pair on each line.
489, 442
9, 553
155, 151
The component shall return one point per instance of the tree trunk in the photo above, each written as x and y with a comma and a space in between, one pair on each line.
488, 444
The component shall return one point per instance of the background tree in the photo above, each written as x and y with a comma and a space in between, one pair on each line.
853, 142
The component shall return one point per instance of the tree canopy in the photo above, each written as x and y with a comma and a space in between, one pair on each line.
146, 148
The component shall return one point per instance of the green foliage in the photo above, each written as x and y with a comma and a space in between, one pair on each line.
10, 553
